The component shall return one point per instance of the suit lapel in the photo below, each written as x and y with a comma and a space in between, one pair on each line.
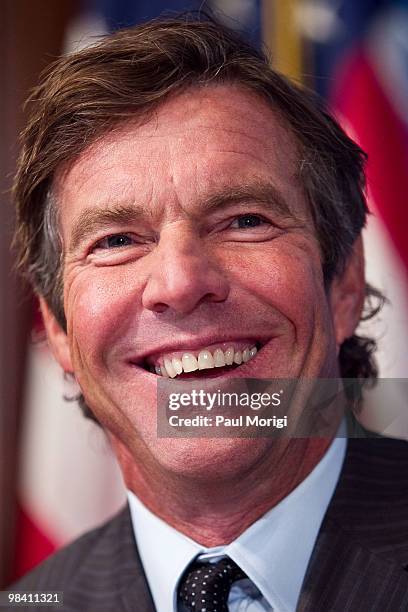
135, 592
137, 596
342, 575
362, 548
129, 586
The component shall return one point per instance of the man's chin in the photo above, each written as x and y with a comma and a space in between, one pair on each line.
211, 458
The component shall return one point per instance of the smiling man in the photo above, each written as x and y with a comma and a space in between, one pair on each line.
186, 213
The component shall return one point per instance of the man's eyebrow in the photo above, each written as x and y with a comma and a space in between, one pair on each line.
91, 220
258, 191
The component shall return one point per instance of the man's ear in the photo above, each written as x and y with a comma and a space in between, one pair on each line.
57, 338
347, 294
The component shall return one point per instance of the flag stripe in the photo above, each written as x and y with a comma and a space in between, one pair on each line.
361, 99
40, 545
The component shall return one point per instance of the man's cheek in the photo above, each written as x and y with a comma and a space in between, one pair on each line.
98, 310
288, 283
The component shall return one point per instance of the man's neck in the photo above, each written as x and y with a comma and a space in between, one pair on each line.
212, 511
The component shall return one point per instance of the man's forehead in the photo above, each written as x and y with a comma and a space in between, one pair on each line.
208, 114
207, 135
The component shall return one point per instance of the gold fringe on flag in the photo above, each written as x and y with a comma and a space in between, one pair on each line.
282, 37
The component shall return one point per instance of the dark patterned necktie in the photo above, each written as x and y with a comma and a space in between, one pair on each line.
204, 587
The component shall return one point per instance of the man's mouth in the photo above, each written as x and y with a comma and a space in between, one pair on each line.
190, 363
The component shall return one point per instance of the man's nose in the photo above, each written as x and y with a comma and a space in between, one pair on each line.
183, 274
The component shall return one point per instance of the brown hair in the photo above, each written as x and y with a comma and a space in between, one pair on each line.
127, 75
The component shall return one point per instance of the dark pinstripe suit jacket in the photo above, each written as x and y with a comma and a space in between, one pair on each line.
359, 563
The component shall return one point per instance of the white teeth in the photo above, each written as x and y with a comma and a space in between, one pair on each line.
245, 355
205, 360
190, 363
219, 359
238, 357
229, 356
169, 367
177, 365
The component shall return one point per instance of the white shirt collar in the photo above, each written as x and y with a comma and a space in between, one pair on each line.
274, 551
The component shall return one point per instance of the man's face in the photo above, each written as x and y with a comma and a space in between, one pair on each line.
189, 232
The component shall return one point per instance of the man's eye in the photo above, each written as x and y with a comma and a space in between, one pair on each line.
247, 221
113, 242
